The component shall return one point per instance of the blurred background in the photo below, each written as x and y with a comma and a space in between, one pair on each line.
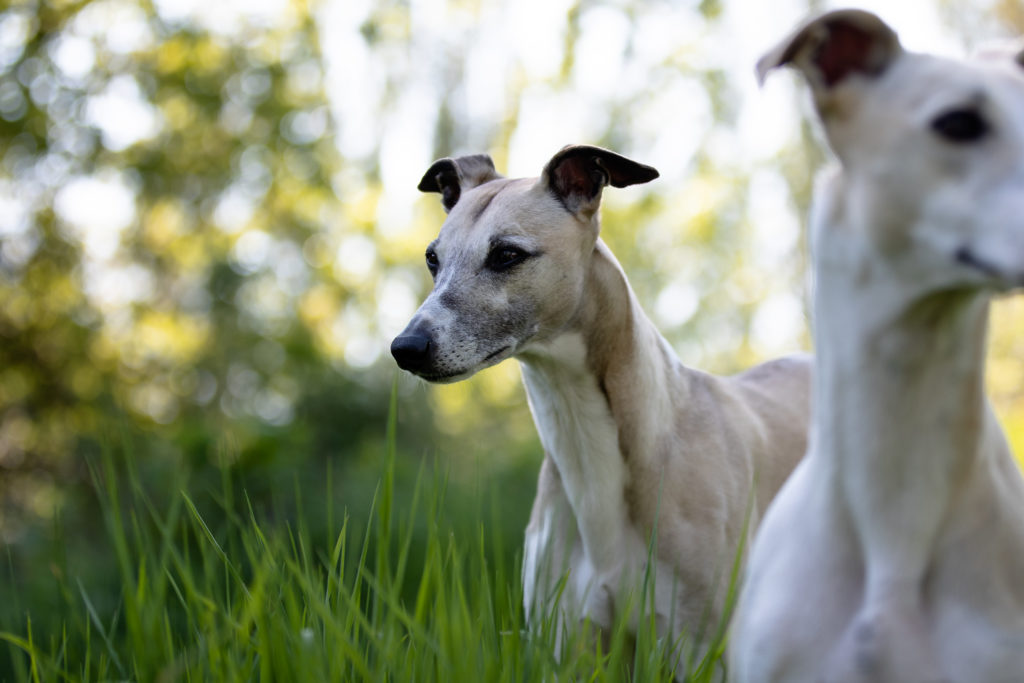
210, 229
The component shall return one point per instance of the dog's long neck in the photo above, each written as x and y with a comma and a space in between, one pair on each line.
592, 390
900, 412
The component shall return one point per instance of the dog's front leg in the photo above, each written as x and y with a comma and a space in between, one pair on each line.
552, 558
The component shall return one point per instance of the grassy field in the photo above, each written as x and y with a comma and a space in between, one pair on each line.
210, 588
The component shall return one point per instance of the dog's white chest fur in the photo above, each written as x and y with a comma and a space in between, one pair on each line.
580, 436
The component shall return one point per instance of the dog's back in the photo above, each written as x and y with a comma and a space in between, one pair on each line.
779, 393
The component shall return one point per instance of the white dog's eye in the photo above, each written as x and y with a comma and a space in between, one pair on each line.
432, 261
961, 125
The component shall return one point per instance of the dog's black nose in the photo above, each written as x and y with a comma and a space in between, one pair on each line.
411, 350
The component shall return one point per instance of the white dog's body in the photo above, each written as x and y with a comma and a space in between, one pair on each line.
895, 552
634, 440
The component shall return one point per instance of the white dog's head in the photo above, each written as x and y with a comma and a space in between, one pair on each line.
511, 260
931, 150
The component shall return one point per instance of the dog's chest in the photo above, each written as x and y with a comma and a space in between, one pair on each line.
582, 524
865, 623
580, 436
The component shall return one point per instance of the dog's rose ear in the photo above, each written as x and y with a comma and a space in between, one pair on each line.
451, 177
578, 173
834, 46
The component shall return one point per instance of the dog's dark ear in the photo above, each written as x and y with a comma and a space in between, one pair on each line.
834, 46
578, 173
451, 177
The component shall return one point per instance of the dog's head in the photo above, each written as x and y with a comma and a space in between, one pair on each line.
511, 260
931, 149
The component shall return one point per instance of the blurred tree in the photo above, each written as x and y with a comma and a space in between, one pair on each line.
196, 240
165, 179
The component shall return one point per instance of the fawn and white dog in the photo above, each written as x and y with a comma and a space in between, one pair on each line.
895, 553
634, 441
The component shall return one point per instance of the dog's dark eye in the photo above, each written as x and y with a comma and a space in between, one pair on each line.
432, 262
961, 125
503, 258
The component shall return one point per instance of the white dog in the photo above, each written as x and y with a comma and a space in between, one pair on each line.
634, 440
895, 553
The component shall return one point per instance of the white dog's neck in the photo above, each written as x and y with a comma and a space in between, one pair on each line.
900, 412
587, 415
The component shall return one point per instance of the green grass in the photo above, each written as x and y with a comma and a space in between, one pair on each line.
211, 588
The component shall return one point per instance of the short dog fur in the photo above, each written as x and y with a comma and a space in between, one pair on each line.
634, 441
895, 553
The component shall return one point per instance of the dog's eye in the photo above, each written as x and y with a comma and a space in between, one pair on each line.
503, 258
432, 262
961, 125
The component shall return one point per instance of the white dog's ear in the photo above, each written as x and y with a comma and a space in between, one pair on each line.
451, 177
577, 174
834, 46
